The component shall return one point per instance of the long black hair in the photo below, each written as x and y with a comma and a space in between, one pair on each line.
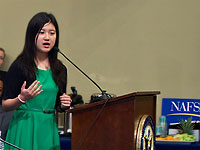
28, 54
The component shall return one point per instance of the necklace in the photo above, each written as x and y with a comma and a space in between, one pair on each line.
43, 67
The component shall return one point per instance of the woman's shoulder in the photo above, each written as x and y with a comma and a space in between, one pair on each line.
62, 65
15, 68
15, 65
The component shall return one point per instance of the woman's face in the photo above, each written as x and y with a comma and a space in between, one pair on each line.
46, 38
2, 55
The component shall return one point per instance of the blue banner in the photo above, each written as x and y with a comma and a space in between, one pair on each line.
176, 109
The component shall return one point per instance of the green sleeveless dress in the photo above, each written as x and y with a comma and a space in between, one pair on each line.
33, 126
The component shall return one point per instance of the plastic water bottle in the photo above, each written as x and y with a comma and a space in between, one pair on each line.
163, 125
1, 143
158, 130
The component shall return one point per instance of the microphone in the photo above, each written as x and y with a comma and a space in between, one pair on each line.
104, 95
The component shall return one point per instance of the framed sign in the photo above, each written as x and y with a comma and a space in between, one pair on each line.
176, 109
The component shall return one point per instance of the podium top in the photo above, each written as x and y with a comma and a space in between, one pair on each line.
115, 99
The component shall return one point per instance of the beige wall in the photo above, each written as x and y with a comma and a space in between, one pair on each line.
124, 45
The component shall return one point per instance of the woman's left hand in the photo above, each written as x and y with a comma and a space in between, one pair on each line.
65, 100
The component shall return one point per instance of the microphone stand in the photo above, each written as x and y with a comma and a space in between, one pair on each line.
9, 144
104, 94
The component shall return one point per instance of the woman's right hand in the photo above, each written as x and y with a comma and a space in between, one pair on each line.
32, 91
25, 94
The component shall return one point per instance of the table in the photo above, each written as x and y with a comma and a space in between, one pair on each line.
65, 143
176, 145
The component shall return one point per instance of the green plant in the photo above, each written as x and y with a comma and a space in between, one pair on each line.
186, 126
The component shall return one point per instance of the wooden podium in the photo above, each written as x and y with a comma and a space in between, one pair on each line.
114, 125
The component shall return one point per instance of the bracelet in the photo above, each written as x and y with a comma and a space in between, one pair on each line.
22, 101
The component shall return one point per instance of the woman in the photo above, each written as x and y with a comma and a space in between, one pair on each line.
5, 117
35, 86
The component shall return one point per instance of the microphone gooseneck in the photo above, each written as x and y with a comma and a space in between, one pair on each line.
104, 94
